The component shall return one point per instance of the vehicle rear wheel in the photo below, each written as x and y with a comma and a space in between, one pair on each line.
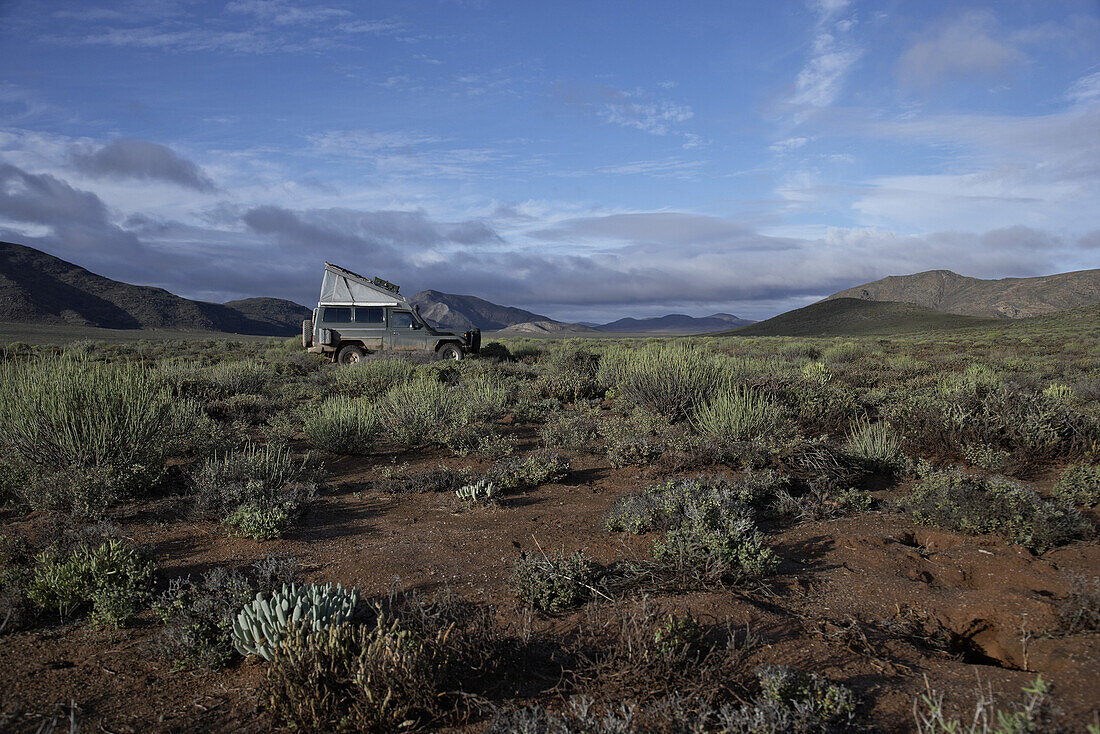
349, 354
450, 351
307, 333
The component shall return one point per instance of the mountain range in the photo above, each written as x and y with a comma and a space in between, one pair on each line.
37, 287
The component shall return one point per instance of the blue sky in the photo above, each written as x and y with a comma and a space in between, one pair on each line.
585, 160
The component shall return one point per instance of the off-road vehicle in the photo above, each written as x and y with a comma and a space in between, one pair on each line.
356, 316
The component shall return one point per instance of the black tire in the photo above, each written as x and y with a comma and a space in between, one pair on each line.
349, 354
451, 352
307, 333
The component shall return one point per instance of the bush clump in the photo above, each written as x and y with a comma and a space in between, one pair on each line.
92, 433
553, 583
417, 411
521, 472
572, 431
111, 579
740, 414
671, 380
1079, 485
198, 618
370, 378
876, 446
404, 671
342, 425
994, 505
257, 492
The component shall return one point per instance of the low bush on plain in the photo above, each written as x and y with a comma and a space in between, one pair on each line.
111, 580
440, 479
876, 446
370, 378
198, 618
572, 431
342, 425
709, 530
994, 505
1034, 714
739, 415
417, 411
90, 432
406, 670
259, 491
1079, 485
671, 380
531, 470
554, 583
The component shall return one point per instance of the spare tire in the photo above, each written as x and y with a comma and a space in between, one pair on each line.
307, 333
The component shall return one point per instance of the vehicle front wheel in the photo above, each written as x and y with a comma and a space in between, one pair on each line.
450, 351
349, 354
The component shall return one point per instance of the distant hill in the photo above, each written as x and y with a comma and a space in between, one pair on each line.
467, 312
39, 288
857, 317
943, 290
676, 323
549, 327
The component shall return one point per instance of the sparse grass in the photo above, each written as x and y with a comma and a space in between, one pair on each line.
1033, 714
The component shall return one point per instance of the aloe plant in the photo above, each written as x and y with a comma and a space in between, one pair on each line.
261, 625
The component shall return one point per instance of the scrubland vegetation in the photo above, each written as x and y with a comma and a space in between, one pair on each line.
716, 466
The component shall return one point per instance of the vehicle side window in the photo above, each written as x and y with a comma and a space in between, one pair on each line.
370, 315
337, 315
401, 320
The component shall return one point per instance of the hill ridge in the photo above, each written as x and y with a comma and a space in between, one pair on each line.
1010, 297
36, 287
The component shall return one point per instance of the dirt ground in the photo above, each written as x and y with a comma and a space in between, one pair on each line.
845, 589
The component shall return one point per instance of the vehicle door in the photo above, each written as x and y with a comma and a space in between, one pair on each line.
403, 333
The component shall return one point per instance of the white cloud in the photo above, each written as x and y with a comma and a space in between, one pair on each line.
970, 45
832, 55
1085, 89
643, 112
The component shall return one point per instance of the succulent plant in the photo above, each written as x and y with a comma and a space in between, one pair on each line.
261, 625
482, 491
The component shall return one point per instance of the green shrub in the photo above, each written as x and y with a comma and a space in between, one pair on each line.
414, 665
740, 414
259, 491
842, 353
370, 378
809, 694
418, 411
198, 618
709, 529
481, 399
717, 547
553, 583
571, 373
986, 456
875, 445
994, 505
577, 430
112, 579
65, 416
521, 472
1079, 485
1034, 714
671, 380
342, 425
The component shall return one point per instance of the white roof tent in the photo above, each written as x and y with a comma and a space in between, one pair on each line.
342, 287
